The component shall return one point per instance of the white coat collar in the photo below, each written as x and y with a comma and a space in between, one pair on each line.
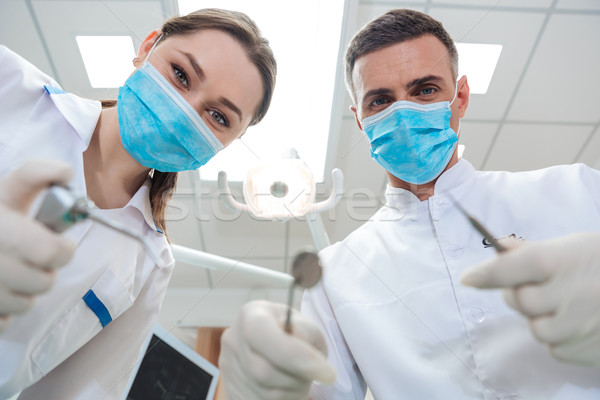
458, 174
141, 201
449, 181
82, 114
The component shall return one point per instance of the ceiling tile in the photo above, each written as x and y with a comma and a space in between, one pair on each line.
591, 153
354, 208
560, 83
496, 3
578, 4
392, 3
15, 17
62, 20
218, 307
367, 12
354, 159
229, 233
190, 276
522, 147
351, 212
479, 26
347, 113
338, 222
300, 238
477, 137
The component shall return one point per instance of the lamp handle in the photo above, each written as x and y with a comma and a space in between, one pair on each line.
226, 193
337, 188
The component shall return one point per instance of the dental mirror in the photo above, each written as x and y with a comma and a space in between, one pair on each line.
307, 271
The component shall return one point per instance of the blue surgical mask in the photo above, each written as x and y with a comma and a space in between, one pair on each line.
414, 142
159, 128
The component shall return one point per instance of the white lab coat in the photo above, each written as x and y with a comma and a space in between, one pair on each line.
60, 346
394, 312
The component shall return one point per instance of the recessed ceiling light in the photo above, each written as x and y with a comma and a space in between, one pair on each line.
107, 59
306, 47
478, 62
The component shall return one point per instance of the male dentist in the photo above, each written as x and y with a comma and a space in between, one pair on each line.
391, 306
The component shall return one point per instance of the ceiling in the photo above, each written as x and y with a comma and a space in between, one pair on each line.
542, 108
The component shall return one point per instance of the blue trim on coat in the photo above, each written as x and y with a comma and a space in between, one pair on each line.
96, 305
53, 90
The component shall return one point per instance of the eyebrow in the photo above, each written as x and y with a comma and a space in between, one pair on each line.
226, 102
425, 79
409, 85
195, 65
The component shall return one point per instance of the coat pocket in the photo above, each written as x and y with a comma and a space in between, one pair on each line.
106, 300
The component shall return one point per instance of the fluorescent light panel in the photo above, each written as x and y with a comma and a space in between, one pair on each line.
107, 59
306, 47
478, 62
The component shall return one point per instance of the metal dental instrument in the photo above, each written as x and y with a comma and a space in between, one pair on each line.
479, 227
307, 271
61, 208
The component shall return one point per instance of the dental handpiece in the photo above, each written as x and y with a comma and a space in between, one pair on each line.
61, 208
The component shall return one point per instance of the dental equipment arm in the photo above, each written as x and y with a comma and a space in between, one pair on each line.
213, 262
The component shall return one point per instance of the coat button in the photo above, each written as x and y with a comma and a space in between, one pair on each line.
476, 315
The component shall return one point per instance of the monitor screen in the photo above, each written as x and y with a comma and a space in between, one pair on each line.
168, 371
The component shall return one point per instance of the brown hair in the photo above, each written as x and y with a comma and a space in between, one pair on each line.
245, 31
393, 27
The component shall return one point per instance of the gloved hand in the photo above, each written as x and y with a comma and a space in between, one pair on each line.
260, 361
29, 252
556, 285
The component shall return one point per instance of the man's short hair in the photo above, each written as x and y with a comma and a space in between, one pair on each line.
393, 27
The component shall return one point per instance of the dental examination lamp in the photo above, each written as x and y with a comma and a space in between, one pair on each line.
283, 189
275, 190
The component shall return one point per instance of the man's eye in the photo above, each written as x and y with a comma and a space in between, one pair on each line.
428, 91
181, 75
219, 118
379, 102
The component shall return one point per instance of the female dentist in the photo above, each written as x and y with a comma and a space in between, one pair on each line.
200, 81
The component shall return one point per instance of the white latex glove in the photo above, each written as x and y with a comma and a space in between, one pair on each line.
29, 252
260, 361
556, 285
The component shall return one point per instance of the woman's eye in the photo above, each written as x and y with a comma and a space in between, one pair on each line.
181, 75
219, 118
